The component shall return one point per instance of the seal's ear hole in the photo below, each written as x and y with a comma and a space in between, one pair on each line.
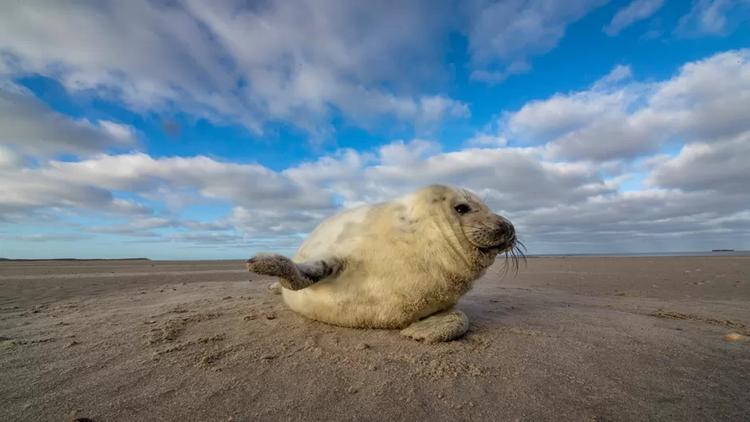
462, 208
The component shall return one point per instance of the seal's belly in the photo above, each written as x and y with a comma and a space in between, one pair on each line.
372, 302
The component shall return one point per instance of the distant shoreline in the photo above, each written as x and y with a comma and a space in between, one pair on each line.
717, 252
645, 254
73, 259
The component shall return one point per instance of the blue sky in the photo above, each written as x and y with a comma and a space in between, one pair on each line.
187, 129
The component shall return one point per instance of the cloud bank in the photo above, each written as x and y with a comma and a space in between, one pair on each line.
555, 188
625, 164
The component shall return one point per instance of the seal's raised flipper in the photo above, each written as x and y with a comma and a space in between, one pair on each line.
442, 326
293, 276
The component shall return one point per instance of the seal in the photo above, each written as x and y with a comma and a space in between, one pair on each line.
399, 264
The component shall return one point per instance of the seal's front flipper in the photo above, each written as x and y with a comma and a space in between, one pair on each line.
442, 326
293, 276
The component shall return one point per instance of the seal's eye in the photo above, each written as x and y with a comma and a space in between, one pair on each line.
462, 208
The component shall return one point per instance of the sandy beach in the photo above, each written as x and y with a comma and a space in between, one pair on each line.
568, 338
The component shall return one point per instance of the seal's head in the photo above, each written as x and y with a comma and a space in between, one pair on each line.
482, 228
489, 234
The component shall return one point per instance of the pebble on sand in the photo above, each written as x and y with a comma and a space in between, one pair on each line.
362, 346
734, 337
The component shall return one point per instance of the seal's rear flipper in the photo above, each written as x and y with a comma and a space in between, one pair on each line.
293, 276
442, 326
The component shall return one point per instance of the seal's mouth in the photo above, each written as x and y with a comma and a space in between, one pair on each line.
505, 245
513, 250
496, 238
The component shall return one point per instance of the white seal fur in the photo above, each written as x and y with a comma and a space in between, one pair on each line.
397, 264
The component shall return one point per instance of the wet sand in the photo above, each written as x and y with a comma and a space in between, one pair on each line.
566, 339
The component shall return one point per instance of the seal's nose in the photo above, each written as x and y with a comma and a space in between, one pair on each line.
505, 229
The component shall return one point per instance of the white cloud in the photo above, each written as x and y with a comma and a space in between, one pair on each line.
643, 221
9, 159
566, 206
635, 11
504, 35
45, 237
295, 62
261, 223
401, 154
618, 74
30, 127
539, 122
121, 132
561, 187
27, 190
435, 108
718, 166
486, 140
294, 200
144, 226
245, 184
713, 17
706, 100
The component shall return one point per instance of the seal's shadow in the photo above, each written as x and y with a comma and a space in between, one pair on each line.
508, 308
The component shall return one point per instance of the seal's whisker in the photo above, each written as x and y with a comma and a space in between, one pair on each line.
520, 249
505, 268
507, 263
518, 254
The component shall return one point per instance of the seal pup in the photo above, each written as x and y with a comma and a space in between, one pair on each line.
398, 264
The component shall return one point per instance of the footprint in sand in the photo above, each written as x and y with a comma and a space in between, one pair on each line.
171, 329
